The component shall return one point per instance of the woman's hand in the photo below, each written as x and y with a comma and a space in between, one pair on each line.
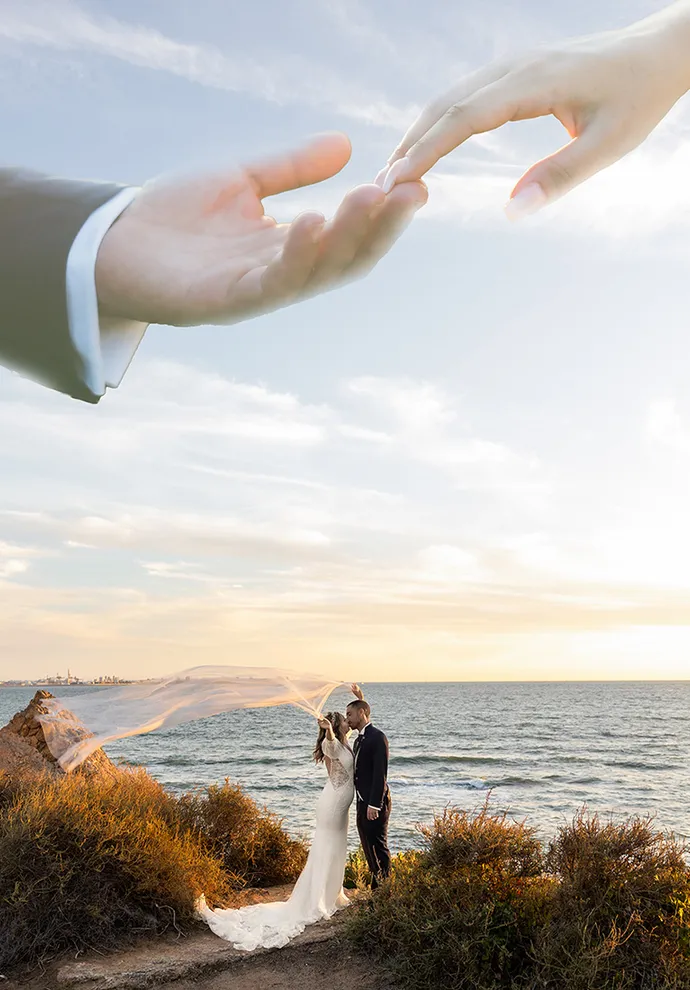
325, 724
609, 91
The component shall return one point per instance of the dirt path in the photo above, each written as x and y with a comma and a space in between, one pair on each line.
201, 961
307, 967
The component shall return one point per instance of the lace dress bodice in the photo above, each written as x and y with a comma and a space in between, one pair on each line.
341, 769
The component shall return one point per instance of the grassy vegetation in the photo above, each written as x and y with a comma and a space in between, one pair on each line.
605, 907
88, 863
357, 873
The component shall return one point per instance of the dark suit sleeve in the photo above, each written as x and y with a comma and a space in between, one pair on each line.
40, 217
379, 771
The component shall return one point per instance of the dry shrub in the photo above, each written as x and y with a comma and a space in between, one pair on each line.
622, 907
94, 863
607, 908
458, 838
462, 912
251, 843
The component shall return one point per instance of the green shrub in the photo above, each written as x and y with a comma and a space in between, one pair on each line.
357, 873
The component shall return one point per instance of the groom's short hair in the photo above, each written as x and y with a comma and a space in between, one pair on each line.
361, 706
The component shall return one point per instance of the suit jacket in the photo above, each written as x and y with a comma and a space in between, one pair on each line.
371, 768
40, 217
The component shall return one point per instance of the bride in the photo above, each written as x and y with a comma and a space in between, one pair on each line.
318, 892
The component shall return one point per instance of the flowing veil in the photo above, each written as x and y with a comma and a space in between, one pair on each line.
76, 725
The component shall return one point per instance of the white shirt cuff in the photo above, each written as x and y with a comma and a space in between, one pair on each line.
105, 346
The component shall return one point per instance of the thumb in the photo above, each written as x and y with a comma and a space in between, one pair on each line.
318, 159
554, 176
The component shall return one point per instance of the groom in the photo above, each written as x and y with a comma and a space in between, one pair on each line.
371, 787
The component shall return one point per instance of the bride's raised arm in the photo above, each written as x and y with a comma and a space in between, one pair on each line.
326, 747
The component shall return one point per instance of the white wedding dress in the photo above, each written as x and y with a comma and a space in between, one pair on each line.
318, 892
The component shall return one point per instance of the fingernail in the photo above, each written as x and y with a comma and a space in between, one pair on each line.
394, 173
529, 200
379, 180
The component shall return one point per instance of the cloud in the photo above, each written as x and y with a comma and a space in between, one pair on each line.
305, 533
64, 26
424, 423
11, 567
665, 426
16, 559
370, 623
644, 194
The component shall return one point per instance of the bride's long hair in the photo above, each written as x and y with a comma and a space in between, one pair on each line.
339, 723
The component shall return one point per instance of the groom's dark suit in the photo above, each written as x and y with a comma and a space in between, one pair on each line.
371, 786
39, 219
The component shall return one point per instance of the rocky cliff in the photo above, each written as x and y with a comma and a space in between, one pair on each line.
24, 750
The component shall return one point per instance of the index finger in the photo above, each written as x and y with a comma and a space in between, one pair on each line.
486, 110
434, 110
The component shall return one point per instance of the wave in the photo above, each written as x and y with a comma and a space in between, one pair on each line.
470, 783
474, 785
177, 760
634, 765
423, 758
513, 781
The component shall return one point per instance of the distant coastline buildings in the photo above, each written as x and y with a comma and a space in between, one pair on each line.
57, 680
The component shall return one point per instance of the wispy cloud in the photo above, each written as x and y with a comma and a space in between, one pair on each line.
65, 26
424, 423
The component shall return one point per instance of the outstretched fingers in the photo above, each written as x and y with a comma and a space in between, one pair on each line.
287, 276
434, 111
280, 278
484, 110
392, 220
344, 236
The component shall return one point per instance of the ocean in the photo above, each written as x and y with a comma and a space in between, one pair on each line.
542, 749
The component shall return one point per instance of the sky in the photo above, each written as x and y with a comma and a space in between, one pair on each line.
472, 465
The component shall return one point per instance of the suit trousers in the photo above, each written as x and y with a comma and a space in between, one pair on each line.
374, 838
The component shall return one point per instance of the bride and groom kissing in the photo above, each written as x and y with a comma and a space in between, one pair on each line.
358, 772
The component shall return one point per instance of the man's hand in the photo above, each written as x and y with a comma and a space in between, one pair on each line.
372, 813
201, 249
609, 91
357, 691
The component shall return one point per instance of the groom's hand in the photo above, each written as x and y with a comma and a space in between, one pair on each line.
201, 249
372, 813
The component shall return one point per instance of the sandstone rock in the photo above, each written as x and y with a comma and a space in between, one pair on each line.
24, 750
